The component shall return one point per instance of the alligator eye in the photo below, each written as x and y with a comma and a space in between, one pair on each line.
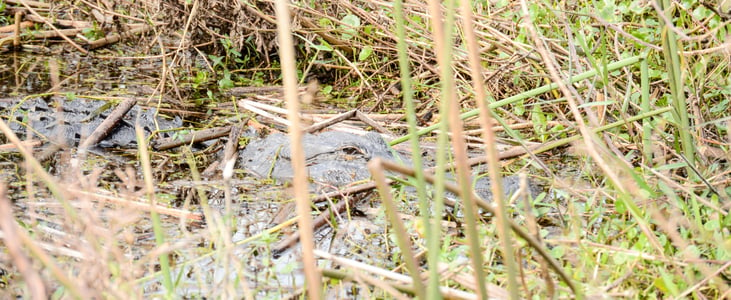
350, 150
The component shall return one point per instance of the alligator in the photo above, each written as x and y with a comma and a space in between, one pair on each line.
338, 158
332, 157
78, 118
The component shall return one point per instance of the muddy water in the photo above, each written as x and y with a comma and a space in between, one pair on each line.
24, 74
213, 256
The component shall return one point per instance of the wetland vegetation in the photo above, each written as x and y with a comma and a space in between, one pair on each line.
609, 119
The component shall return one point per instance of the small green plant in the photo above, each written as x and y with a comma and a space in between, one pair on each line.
4, 20
93, 33
222, 64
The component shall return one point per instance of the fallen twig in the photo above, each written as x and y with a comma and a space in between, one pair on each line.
55, 33
366, 119
264, 110
27, 143
116, 37
338, 118
10, 29
194, 137
232, 146
62, 22
108, 124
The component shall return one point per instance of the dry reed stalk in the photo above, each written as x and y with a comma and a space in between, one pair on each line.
289, 74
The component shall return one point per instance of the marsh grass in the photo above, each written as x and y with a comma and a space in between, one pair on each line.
626, 113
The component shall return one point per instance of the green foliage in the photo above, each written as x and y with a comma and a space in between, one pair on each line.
350, 27
658, 224
365, 53
4, 20
93, 33
225, 82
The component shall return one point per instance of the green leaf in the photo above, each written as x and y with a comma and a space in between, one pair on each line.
323, 46
672, 166
351, 20
351, 26
720, 106
620, 207
712, 225
665, 283
325, 22
598, 103
365, 53
226, 82
216, 60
